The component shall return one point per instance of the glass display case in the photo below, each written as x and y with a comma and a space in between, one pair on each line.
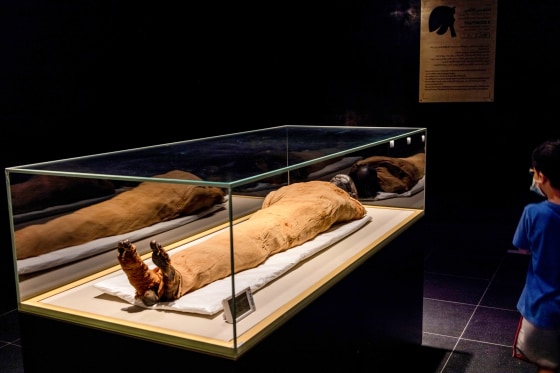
163, 242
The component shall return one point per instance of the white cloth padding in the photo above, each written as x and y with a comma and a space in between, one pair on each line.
208, 299
89, 249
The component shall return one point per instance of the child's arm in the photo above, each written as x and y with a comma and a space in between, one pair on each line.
519, 251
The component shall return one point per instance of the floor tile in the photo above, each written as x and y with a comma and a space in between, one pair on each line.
11, 360
442, 342
473, 357
9, 326
501, 294
492, 325
453, 288
446, 318
508, 283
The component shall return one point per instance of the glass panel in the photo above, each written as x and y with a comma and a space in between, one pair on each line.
227, 160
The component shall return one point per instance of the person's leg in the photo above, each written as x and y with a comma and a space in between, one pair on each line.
537, 345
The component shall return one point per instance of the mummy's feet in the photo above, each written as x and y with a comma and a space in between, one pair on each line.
125, 248
171, 279
145, 281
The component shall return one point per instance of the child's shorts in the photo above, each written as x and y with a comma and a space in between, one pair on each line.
537, 345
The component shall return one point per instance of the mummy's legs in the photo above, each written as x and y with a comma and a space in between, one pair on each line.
146, 282
171, 278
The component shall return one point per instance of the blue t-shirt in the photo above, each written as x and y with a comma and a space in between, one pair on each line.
539, 232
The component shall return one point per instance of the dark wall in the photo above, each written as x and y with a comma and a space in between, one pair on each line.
85, 77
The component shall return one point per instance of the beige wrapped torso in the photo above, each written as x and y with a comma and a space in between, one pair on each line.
289, 217
147, 204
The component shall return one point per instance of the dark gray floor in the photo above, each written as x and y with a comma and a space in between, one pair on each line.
471, 287
11, 360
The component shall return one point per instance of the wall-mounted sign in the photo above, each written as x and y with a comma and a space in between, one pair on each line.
457, 50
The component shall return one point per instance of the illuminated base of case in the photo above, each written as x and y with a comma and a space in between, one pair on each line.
82, 304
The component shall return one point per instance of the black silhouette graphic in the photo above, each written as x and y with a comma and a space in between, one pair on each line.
441, 19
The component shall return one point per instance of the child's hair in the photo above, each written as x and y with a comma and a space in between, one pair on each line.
546, 159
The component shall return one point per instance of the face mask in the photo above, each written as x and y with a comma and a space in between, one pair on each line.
535, 188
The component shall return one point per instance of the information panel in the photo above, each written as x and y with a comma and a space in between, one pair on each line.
457, 50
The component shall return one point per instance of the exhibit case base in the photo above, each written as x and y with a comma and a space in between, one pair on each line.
368, 320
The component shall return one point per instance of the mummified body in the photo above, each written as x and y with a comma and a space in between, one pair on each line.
290, 216
142, 206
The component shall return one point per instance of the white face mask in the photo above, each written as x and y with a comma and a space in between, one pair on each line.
537, 189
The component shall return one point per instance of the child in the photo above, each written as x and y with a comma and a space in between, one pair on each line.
537, 339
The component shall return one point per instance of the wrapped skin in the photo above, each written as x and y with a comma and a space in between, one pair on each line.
142, 206
290, 216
